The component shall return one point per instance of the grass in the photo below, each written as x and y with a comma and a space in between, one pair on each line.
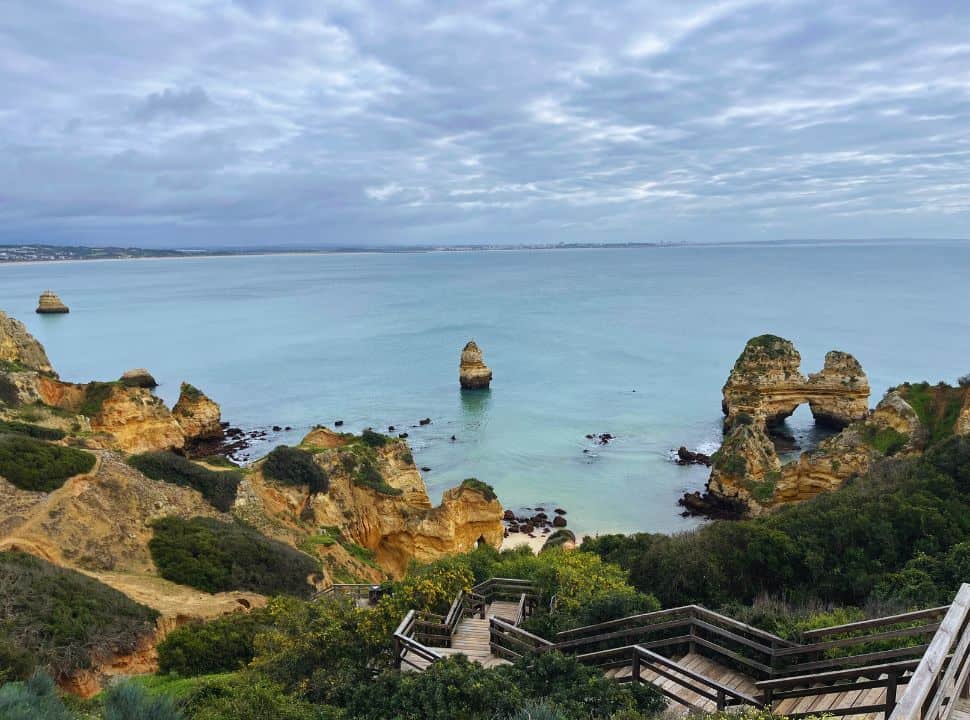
361, 462
12, 366
487, 491
330, 536
887, 441
293, 466
763, 491
219, 461
191, 392
35, 465
218, 487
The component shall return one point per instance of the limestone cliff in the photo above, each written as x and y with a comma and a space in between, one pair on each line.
766, 384
19, 349
746, 467
473, 373
136, 421
199, 417
376, 500
963, 419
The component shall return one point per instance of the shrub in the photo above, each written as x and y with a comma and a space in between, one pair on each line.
937, 407
373, 439
887, 440
218, 487
32, 464
35, 431
36, 698
964, 381
95, 395
64, 619
216, 556
487, 491
247, 697
293, 466
361, 462
129, 701
220, 645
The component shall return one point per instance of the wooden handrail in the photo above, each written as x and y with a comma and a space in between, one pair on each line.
662, 666
943, 674
875, 622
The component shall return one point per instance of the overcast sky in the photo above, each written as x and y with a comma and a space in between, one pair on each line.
285, 122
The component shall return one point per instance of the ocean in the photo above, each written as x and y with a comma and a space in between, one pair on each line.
635, 342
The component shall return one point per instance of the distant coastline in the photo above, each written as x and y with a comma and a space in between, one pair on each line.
35, 253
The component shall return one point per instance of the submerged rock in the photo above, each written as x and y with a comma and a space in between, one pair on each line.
686, 457
473, 373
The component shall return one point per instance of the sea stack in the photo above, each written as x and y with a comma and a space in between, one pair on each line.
50, 304
473, 373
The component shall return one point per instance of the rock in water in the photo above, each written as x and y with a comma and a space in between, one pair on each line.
473, 373
50, 304
199, 417
138, 377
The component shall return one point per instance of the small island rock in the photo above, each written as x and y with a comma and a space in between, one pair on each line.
473, 373
50, 304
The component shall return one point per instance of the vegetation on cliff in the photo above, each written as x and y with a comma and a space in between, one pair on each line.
220, 645
219, 487
30, 430
217, 556
32, 464
487, 491
60, 619
868, 541
937, 406
293, 466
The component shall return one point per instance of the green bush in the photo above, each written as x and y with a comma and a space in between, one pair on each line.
937, 406
247, 697
373, 439
487, 491
63, 619
95, 396
32, 464
836, 547
293, 466
218, 487
220, 645
35, 431
216, 556
37, 698
360, 461
887, 441
130, 701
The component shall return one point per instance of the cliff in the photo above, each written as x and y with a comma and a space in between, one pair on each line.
766, 383
376, 500
19, 350
473, 373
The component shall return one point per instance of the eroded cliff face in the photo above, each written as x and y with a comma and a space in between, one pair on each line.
199, 417
963, 419
766, 384
19, 348
136, 421
376, 500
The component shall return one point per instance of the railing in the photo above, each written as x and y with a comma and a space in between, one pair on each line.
840, 682
818, 654
503, 589
357, 591
943, 675
721, 695
405, 644
686, 628
511, 642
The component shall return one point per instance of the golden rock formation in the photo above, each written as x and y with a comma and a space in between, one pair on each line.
19, 349
473, 373
50, 304
199, 417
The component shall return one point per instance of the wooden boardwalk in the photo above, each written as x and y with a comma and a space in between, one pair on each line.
961, 710
472, 638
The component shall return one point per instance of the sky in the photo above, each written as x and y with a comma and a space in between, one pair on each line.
189, 123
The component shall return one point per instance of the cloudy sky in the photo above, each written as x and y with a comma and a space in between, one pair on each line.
289, 122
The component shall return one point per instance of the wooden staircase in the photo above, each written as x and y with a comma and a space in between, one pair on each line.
472, 638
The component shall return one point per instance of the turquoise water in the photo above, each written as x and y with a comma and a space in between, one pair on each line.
635, 342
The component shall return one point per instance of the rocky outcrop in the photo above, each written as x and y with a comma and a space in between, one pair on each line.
136, 421
50, 304
746, 468
199, 417
19, 350
138, 377
767, 385
963, 419
473, 373
377, 500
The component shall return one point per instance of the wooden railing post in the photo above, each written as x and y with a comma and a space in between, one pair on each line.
774, 660
693, 630
635, 668
397, 653
721, 704
892, 680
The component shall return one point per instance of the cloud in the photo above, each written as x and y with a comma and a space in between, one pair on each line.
426, 122
171, 103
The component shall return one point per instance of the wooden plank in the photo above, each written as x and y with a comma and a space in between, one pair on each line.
875, 622
847, 642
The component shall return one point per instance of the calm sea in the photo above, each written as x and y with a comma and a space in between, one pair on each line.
634, 342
